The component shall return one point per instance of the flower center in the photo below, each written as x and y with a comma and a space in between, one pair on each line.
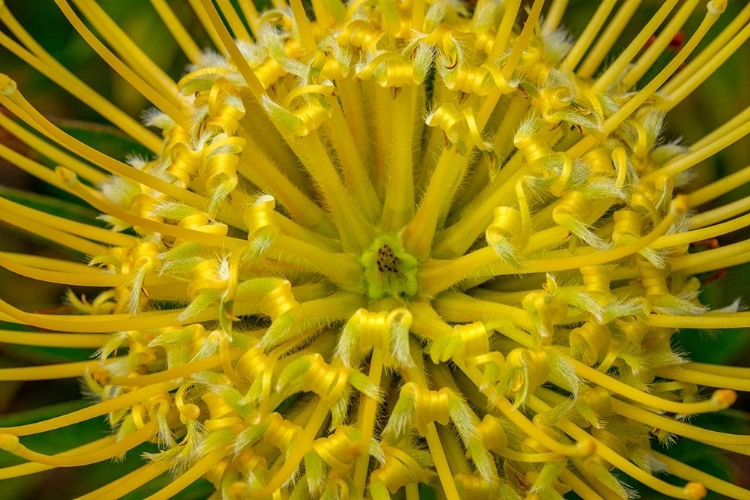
389, 271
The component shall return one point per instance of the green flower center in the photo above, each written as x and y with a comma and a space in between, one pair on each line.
389, 271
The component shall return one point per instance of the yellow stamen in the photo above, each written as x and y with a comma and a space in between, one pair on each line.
29, 468
39, 59
111, 32
635, 46
688, 473
691, 491
582, 489
441, 463
70, 226
129, 482
53, 339
554, 15
146, 90
607, 40
367, 426
718, 401
673, 240
10, 96
705, 71
203, 13
681, 429
251, 16
11, 444
97, 410
238, 29
589, 34
654, 50
307, 39
178, 31
719, 187
48, 372
86, 171
704, 378
709, 52
708, 321
190, 476
506, 27
399, 197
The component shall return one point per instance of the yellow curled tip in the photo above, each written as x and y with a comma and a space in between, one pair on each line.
724, 398
695, 491
7, 85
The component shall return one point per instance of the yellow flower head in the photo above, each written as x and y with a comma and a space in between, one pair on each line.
407, 243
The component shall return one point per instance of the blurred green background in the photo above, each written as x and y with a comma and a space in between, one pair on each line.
721, 97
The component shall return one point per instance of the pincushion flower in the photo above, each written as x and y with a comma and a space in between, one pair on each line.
402, 243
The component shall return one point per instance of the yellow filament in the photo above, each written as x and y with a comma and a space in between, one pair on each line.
677, 427
53, 339
48, 372
417, 15
582, 489
178, 31
65, 239
589, 33
710, 260
441, 463
97, 410
97, 201
225, 39
191, 475
709, 52
719, 214
518, 456
708, 321
607, 40
238, 29
146, 90
436, 278
29, 468
89, 173
129, 482
339, 267
519, 46
611, 384
202, 12
672, 240
307, 38
724, 129
506, 28
691, 491
356, 233
719, 187
367, 425
111, 32
688, 473
353, 167
185, 370
635, 46
704, 378
707, 70
399, 198
729, 371
251, 16
554, 15
70, 226
583, 448
666, 35
91, 154
31, 167
46, 65
10, 443
646, 92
